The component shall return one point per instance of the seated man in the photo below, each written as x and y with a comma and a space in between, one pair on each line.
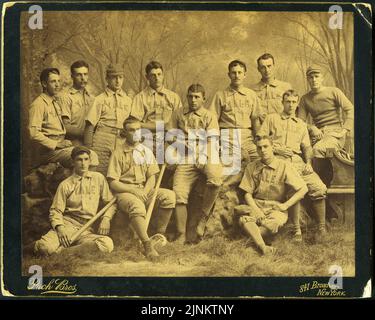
74, 106
46, 128
291, 142
76, 102
76, 201
267, 183
193, 121
131, 175
332, 115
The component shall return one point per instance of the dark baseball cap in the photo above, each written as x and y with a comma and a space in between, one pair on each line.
79, 150
115, 70
313, 69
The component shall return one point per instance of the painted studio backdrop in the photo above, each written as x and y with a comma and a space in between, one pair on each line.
193, 47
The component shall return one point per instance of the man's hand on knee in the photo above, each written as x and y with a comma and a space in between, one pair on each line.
316, 133
260, 218
64, 144
280, 207
63, 236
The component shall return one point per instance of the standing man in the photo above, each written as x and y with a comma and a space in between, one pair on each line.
291, 142
237, 107
75, 103
131, 174
196, 121
268, 182
106, 116
76, 201
46, 128
154, 103
331, 111
269, 89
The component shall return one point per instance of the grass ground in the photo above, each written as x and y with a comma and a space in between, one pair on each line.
217, 256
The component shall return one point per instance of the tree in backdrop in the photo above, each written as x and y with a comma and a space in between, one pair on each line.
192, 46
330, 48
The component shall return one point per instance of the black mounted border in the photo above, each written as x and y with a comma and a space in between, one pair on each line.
223, 287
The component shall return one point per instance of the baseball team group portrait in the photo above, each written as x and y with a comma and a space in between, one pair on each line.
188, 143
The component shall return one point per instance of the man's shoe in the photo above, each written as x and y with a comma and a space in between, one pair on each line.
321, 235
268, 250
150, 252
180, 239
297, 236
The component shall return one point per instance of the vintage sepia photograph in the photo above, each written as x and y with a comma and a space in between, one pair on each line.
186, 150
107, 188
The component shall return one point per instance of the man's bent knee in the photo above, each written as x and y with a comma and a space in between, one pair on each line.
317, 190
167, 199
215, 182
317, 194
182, 196
42, 247
319, 150
131, 205
243, 220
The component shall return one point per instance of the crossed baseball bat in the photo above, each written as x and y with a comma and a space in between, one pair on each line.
150, 208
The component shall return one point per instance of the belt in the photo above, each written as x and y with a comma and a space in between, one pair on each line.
80, 220
137, 185
56, 137
115, 131
232, 128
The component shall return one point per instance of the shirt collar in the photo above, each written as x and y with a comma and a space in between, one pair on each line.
152, 91
273, 83
318, 91
273, 165
77, 177
284, 116
198, 112
47, 98
110, 92
129, 148
240, 91
73, 90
